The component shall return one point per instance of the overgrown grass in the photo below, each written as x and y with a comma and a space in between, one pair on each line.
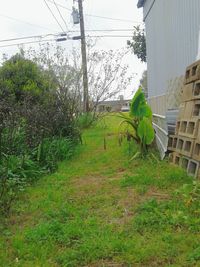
100, 209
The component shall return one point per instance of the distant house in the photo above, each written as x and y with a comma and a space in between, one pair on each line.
172, 38
114, 105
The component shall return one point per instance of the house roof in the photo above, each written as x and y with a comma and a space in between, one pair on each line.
114, 102
140, 3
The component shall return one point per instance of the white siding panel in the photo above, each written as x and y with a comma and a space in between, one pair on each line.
172, 29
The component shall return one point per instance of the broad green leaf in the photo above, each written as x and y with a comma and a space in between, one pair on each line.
137, 102
139, 107
145, 131
133, 125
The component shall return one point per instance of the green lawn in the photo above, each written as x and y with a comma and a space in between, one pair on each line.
100, 209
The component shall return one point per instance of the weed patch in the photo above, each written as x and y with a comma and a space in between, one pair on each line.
100, 209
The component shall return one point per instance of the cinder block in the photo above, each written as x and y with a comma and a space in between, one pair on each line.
184, 163
193, 168
183, 127
178, 123
189, 109
175, 158
198, 132
192, 73
188, 147
187, 92
172, 142
180, 143
192, 128
196, 109
181, 111
185, 146
196, 151
189, 128
196, 90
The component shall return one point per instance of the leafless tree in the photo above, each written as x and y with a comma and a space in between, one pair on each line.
107, 74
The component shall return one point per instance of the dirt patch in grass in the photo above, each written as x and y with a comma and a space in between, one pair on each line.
88, 184
157, 194
106, 264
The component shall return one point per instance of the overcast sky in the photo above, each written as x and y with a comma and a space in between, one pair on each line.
27, 18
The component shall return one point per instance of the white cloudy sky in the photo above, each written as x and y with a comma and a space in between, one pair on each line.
27, 18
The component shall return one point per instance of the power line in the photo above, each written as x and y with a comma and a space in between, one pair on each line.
101, 17
26, 37
32, 42
51, 1
126, 36
59, 34
61, 15
107, 30
65, 39
115, 19
53, 15
24, 22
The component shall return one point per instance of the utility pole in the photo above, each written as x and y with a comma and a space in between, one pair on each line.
84, 59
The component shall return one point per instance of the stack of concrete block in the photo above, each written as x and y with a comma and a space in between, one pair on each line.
185, 144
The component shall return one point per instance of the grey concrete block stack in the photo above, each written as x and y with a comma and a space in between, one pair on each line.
185, 143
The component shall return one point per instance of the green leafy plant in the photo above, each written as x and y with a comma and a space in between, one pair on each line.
85, 120
140, 121
37, 124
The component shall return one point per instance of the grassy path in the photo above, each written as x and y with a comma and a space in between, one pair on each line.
100, 210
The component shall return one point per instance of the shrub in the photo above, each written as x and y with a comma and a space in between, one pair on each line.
85, 120
140, 122
37, 126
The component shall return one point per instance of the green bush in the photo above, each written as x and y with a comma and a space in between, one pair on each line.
16, 172
37, 126
85, 120
50, 151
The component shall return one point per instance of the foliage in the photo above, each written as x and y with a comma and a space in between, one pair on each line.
174, 213
107, 74
138, 43
37, 126
19, 77
50, 151
81, 216
140, 121
85, 120
16, 173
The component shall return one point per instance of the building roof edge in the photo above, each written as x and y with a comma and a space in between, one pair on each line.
140, 3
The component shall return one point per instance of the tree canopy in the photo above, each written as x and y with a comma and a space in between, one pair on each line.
20, 76
138, 43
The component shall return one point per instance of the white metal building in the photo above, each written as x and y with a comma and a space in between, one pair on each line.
172, 36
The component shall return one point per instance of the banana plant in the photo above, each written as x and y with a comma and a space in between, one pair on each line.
140, 121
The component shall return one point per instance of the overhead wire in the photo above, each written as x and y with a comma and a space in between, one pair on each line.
54, 16
97, 16
60, 34
51, 40
26, 37
24, 22
126, 36
61, 15
106, 30
32, 42
115, 19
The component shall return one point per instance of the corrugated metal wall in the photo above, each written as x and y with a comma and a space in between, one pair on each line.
172, 28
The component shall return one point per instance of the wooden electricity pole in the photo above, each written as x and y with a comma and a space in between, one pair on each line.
84, 59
